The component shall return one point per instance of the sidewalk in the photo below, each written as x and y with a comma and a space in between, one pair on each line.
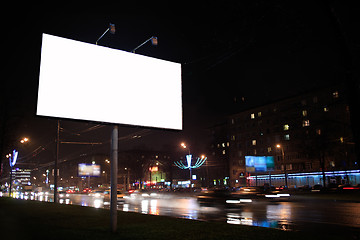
21, 219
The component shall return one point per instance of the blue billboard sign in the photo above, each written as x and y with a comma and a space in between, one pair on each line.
259, 163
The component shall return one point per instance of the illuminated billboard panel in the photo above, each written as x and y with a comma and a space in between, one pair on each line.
259, 163
88, 82
89, 170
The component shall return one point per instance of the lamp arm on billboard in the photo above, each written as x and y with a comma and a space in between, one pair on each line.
112, 30
154, 41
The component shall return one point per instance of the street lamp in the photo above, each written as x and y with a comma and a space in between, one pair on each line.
111, 28
154, 42
12, 159
283, 157
24, 140
188, 160
183, 145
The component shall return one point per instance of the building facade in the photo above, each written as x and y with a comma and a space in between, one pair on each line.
306, 133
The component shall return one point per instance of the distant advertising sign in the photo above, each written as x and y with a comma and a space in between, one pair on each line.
153, 169
89, 170
259, 163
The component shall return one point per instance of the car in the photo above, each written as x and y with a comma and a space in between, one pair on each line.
63, 194
317, 188
221, 197
86, 190
120, 196
97, 194
348, 188
260, 193
70, 191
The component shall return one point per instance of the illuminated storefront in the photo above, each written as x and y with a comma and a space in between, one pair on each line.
309, 178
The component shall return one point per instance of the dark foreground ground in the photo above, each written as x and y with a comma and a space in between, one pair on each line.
21, 219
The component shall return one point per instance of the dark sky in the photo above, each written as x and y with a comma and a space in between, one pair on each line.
229, 50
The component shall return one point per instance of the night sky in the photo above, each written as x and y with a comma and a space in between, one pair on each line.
234, 55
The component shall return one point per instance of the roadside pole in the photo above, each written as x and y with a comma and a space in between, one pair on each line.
113, 178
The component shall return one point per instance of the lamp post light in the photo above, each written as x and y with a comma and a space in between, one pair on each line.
283, 157
24, 140
12, 160
199, 162
188, 160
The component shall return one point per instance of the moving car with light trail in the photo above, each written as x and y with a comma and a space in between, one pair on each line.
221, 197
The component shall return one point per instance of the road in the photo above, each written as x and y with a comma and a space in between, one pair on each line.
319, 215
290, 215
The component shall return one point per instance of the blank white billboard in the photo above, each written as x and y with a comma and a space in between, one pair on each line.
89, 82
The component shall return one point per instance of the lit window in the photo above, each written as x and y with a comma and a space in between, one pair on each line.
232, 121
269, 149
259, 114
341, 139
306, 123
304, 113
223, 144
223, 152
252, 115
253, 142
326, 109
286, 127
318, 131
335, 94
286, 137
233, 138
228, 144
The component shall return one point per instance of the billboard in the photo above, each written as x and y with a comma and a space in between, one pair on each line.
89, 82
89, 170
259, 163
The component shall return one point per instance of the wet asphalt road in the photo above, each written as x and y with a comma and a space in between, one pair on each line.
296, 214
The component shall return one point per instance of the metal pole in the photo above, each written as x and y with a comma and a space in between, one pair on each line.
285, 173
56, 161
11, 167
270, 179
102, 35
113, 178
133, 51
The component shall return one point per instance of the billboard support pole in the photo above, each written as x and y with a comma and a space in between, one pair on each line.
56, 162
113, 178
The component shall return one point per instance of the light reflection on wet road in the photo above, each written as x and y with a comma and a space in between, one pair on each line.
292, 215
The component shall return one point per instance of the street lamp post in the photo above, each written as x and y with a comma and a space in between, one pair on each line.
188, 160
12, 159
283, 157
